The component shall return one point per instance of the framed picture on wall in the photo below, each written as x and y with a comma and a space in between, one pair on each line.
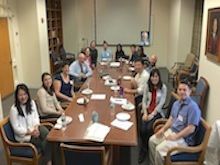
213, 35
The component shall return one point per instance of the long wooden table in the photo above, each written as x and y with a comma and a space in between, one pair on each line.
75, 130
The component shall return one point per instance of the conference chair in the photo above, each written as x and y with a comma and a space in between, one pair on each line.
191, 155
56, 62
24, 153
188, 75
81, 154
66, 56
186, 65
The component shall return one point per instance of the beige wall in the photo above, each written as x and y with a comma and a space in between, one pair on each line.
210, 70
78, 24
180, 30
169, 26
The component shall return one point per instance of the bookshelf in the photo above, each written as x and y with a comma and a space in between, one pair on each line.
54, 27
54, 24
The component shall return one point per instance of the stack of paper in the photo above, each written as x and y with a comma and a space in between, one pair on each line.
119, 101
97, 132
124, 125
98, 97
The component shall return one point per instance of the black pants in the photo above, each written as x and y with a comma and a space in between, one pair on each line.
147, 131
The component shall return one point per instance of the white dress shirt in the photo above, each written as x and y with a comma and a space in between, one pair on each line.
141, 79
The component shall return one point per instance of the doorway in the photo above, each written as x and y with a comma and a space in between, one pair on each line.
6, 74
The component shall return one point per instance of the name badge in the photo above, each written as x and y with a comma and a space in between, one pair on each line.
180, 118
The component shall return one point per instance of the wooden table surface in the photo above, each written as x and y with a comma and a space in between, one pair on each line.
75, 130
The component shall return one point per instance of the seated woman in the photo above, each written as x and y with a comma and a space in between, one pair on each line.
25, 122
153, 100
48, 106
119, 53
63, 86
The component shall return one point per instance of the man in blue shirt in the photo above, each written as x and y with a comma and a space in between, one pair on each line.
106, 54
79, 69
179, 129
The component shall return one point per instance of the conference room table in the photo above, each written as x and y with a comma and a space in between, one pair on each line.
75, 131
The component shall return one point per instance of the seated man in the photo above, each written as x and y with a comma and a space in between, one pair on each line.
79, 69
152, 63
106, 54
139, 82
134, 54
179, 129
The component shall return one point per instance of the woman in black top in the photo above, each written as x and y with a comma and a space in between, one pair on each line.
93, 53
119, 53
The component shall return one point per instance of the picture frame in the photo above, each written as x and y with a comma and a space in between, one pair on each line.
212, 50
144, 38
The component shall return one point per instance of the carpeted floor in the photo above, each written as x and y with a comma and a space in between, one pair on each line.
128, 155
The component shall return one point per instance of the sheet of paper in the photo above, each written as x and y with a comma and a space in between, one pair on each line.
98, 96
97, 132
124, 125
117, 100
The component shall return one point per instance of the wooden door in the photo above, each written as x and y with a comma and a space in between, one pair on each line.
6, 75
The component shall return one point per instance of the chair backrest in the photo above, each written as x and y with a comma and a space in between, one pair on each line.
7, 132
202, 136
73, 154
62, 53
200, 94
54, 57
189, 60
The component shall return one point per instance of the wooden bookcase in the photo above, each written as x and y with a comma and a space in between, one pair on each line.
54, 24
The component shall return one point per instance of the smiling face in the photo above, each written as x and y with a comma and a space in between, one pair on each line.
65, 69
47, 81
22, 96
155, 79
138, 66
183, 91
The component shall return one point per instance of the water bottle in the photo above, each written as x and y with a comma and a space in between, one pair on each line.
63, 120
95, 117
121, 91
112, 106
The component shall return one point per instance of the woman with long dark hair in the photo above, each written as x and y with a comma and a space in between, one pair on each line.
154, 98
25, 122
119, 53
48, 106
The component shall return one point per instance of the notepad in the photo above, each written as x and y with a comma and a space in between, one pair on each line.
96, 132
124, 125
98, 96
117, 100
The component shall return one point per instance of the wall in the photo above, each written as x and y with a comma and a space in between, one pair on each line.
78, 25
43, 37
180, 30
171, 21
210, 70
29, 39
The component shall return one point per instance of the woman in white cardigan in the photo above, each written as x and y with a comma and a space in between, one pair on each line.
154, 98
25, 122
